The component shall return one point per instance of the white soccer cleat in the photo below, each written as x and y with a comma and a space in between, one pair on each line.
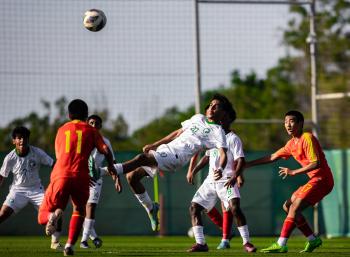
56, 246
51, 225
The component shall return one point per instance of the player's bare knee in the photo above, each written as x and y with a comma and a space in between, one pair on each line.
194, 209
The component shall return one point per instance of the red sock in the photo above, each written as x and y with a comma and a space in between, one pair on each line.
215, 217
227, 224
75, 225
288, 227
303, 226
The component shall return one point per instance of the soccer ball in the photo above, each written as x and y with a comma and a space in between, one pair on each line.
190, 233
94, 20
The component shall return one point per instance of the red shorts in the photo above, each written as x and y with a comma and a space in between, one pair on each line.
314, 190
58, 192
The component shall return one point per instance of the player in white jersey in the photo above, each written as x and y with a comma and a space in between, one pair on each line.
214, 188
24, 163
175, 150
96, 160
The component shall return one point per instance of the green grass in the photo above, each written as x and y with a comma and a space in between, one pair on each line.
162, 246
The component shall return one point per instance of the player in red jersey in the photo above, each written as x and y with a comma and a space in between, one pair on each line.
306, 150
70, 176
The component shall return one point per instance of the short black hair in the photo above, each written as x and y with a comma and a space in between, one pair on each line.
95, 117
20, 131
298, 115
78, 109
226, 106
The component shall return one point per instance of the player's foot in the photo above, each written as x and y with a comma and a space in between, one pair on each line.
198, 248
84, 245
68, 251
56, 246
312, 245
275, 248
223, 245
51, 225
153, 216
249, 248
97, 242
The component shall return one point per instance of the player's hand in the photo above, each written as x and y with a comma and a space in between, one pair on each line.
284, 172
217, 174
190, 178
147, 148
240, 181
231, 182
111, 170
117, 184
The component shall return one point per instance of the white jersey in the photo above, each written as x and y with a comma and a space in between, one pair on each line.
96, 159
25, 169
198, 134
234, 151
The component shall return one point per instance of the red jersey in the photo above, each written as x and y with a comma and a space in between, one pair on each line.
306, 150
74, 142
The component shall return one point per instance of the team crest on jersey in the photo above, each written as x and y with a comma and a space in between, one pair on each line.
163, 154
206, 131
32, 163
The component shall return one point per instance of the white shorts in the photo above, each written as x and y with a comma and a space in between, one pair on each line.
19, 198
210, 191
95, 192
166, 159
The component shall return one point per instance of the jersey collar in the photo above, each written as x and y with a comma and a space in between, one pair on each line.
211, 122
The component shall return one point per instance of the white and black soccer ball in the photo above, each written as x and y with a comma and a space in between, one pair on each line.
94, 20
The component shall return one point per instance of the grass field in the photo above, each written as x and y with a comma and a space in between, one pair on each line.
162, 246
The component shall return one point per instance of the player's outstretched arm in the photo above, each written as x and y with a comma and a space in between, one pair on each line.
264, 160
284, 172
164, 140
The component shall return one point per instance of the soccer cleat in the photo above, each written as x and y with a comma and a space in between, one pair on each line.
153, 216
223, 245
249, 248
68, 251
97, 242
84, 245
312, 245
275, 248
56, 246
198, 248
51, 225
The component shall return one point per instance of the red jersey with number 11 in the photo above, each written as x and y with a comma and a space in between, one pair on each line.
74, 142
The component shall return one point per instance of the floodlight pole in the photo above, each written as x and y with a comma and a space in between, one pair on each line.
197, 58
312, 40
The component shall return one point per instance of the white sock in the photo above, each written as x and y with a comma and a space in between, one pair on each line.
55, 237
311, 237
198, 234
145, 200
68, 245
93, 234
225, 240
88, 224
282, 241
244, 232
119, 168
